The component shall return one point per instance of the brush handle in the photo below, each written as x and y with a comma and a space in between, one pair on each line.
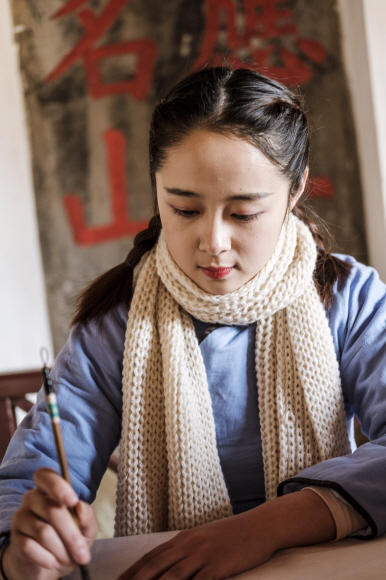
53, 410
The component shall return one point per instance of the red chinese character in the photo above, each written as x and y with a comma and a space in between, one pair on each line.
321, 187
215, 11
94, 28
121, 225
265, 19
266, 23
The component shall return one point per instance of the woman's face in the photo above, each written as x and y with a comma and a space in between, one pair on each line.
222, 204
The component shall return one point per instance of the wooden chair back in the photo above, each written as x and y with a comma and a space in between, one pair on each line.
13, 390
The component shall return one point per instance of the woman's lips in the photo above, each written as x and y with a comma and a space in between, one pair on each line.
216, 273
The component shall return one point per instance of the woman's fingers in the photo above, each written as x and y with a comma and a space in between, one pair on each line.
151, 555
26, 558
171, 557
36, 531
28, 549
87, 520
55, 487
46, 541
49, 511
181, 570
152, 566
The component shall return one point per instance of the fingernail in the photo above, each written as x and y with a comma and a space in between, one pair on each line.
82, 556
70, 497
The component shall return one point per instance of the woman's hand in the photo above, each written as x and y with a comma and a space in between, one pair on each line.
46, 543
230, 546
216, 550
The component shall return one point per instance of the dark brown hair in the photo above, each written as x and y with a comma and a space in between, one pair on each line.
241, 102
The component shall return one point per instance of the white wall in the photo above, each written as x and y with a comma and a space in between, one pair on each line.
24, 325
364, 45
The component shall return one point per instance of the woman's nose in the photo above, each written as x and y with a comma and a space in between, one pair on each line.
215, 238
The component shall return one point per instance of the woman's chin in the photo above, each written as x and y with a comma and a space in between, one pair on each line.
219, 287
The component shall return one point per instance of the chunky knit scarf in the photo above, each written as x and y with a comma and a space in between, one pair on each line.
170, 475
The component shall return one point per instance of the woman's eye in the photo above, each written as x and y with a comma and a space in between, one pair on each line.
184, 212
246, 218
189, 213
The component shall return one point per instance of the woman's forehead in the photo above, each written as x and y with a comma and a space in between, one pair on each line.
205, 161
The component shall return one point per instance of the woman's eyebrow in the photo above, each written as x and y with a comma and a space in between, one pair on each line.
236, 197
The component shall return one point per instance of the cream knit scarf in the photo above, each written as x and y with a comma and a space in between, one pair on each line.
170, 475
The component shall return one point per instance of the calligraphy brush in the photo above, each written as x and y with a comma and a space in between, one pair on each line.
55, 421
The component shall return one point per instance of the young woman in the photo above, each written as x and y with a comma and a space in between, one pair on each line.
230, 375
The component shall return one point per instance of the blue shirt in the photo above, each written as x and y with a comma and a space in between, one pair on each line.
87, 376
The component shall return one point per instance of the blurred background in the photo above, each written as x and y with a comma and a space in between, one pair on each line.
78, 81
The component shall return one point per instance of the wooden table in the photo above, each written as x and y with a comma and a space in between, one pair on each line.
344, 560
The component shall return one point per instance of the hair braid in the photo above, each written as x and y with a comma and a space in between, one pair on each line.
144, 241
115, 286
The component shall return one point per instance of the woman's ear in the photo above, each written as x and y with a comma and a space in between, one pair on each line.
296, 196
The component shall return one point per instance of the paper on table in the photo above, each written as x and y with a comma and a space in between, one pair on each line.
344, 560
113, 556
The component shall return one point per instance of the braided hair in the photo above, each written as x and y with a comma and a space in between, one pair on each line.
115, 286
